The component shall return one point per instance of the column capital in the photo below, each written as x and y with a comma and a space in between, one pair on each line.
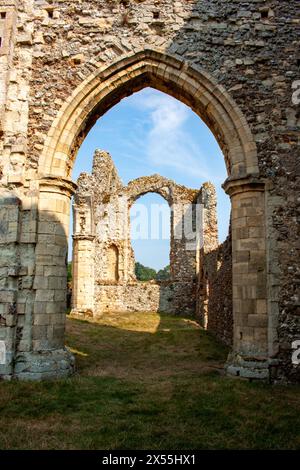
83, 237
57, 184
233, 186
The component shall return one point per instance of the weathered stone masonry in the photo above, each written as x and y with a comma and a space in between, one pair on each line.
103, 259
62, 65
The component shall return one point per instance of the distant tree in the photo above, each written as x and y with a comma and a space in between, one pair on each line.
163, 274
69, 271
143, 273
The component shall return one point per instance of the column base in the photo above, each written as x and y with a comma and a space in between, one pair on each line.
45, 365
247, 367
83, 313
6, 370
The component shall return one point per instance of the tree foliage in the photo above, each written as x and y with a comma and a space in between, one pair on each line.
69, 271
143, 273
163, 274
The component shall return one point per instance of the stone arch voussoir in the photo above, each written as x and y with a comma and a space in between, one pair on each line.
107, 86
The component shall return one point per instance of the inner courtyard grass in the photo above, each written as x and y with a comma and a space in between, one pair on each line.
147, 381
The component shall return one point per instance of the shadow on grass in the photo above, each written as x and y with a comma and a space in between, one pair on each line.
143, 346
157, 388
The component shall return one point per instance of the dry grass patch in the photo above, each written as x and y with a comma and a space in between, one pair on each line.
146, 381
144, 345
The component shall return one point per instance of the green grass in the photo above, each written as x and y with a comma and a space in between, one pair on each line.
146, 381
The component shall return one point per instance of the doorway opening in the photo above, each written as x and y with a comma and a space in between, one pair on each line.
146, 133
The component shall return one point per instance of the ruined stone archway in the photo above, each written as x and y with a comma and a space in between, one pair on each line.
85, 105
59, 73
213, 104
101, 213
105, 88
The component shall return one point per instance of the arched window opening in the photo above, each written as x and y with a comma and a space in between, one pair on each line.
161, 157
150, 237
113, 263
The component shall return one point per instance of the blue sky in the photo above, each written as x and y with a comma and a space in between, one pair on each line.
151, 132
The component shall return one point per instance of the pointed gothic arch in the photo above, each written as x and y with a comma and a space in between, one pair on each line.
214, 105
168, 73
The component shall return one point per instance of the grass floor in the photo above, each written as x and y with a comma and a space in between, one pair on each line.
147, 381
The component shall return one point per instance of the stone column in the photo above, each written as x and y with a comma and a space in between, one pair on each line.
250, 349
9, 275
208, 246
83, 276
210, 220
48, 357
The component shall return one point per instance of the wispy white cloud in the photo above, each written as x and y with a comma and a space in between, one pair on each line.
168, 143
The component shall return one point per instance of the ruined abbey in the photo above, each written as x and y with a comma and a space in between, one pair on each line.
104, 266
63, 64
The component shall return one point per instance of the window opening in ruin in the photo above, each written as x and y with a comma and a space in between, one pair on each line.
113, 263
194, 217
150, 219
